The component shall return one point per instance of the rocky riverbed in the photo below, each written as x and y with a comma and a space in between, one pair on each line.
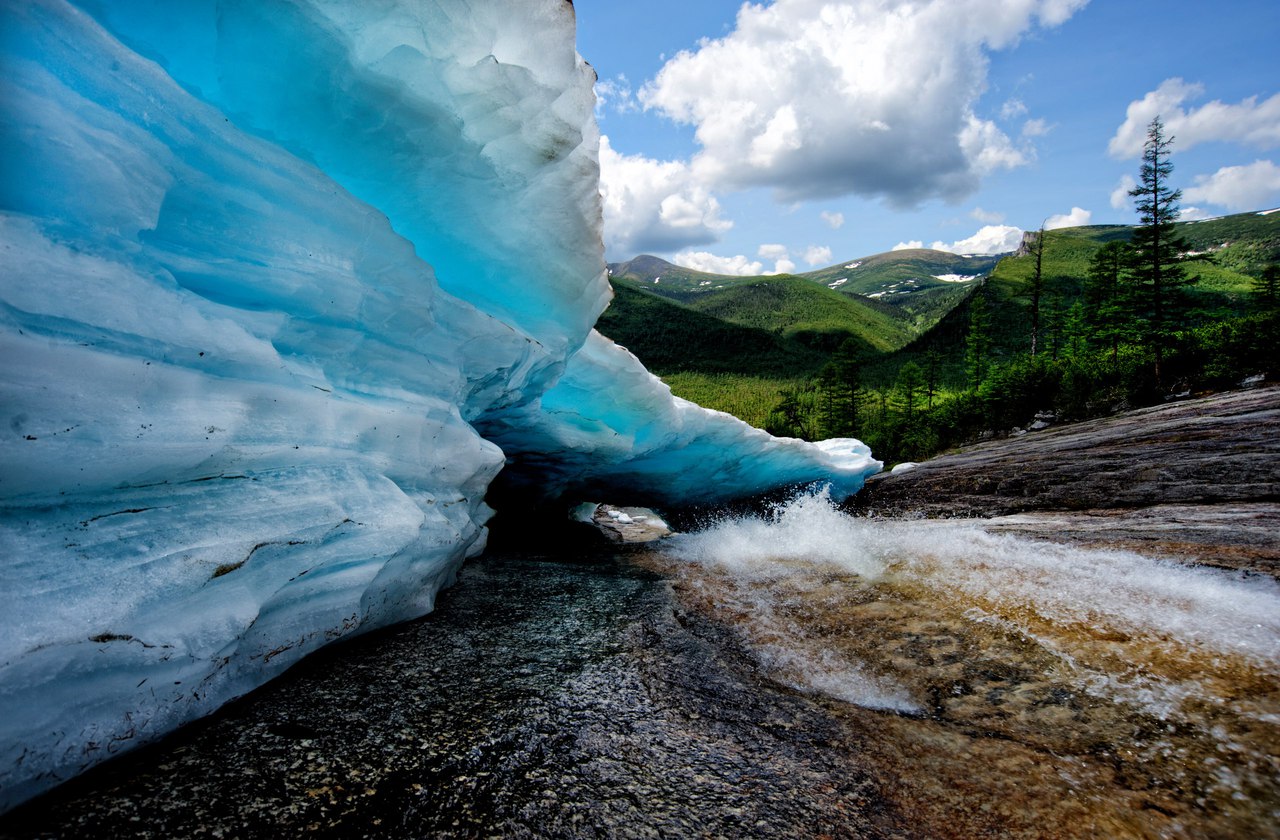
545, 697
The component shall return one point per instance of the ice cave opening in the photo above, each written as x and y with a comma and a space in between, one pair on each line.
285, 287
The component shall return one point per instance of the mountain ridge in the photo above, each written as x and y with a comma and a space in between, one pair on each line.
925, 322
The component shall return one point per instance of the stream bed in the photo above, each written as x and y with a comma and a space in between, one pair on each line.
807, 674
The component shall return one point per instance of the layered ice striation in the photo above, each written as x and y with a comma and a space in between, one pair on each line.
284, 287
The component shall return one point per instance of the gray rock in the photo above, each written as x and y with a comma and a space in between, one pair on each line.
1195, 464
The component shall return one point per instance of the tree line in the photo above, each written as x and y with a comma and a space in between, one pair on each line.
1125, 339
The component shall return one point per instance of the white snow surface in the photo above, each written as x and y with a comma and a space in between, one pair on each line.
284, 288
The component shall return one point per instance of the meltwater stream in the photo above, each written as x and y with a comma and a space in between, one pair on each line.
796, 675
1064, 691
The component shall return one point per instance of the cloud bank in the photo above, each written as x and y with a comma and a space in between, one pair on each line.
874, 98
990, 239
1251, 122
737, 266
1238, 188
1076, 218
654, 206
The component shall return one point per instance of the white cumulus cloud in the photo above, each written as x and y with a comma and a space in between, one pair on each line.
1250, 121
1076, 218
835, 221
817, 255
652, 205
817, 98
990, 217
1193, 214
779, 255
737, 266
990, 239
1120, 199
1238, 188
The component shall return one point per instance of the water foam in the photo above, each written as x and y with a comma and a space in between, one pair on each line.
1057, 597
1008, 574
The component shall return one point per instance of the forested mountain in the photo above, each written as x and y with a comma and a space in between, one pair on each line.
771, 349
913, 287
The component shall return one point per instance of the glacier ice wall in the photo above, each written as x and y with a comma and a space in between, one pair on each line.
610, 430
284, 287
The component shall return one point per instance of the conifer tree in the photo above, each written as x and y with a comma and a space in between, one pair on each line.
1266, 288
1074, 328
833, 404
1104, 298
910, 386
1036, 289
932, 374
1053, 323
977, 343
840, 387
1156, 250
785, 419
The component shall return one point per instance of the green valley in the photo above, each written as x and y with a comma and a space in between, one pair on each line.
916, 350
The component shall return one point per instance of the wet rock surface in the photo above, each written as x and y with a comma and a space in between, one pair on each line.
1242, 536
542, 699
1197, 479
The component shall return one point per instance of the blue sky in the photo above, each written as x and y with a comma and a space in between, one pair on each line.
795, 134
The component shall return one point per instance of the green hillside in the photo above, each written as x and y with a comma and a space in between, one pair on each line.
710, 360
671, 338
800, 310
913, 287
1229, 252
1245, 243
918, 286
657, 275
1225, 334
885, 355
1221, 289
736, 345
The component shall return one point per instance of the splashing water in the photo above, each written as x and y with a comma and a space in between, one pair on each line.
1139, 684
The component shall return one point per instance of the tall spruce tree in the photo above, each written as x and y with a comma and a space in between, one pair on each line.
1155, 266
840, 391
834, 404
1036, 289
1075, 328
787, 417
977, 342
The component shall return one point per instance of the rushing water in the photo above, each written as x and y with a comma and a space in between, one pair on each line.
1044, 689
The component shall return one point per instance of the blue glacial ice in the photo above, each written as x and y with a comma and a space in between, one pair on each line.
285, 286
